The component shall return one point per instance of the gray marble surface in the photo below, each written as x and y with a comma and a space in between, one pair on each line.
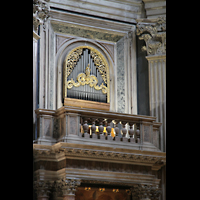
120, 77
85, 33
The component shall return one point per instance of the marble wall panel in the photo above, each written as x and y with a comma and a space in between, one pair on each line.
120, 77
85, 33
47, 126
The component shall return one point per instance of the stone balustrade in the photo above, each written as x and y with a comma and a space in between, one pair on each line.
97, 127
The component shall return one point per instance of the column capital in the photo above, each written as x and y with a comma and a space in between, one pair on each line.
41, 11
42, 188
143, 191
66, 186
154, 34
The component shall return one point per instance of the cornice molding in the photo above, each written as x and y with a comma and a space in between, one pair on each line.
126, 11
87, 152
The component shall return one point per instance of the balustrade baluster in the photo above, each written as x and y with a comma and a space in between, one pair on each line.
117, 130
131, 132
108, 129
101, 128
93, 129
138, 132
124, 131
85, 127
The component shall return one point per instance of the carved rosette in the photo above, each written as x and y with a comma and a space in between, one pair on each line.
41, 11
154, 35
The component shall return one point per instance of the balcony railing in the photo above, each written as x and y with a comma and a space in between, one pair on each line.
97, 127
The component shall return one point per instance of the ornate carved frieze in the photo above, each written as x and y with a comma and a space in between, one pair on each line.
41, 11
154, 35
115, 155
59, 153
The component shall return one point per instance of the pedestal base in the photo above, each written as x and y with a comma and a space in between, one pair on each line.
109, 138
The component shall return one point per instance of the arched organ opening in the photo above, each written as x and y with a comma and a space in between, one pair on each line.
86, 76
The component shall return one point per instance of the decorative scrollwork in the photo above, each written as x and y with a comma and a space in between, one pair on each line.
100, 65
72, 60
86, 78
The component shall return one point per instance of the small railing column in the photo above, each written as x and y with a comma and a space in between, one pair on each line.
117, 138
108, 129
137, 133
85, 127
124, 131
93, 129
131, 132
101, 128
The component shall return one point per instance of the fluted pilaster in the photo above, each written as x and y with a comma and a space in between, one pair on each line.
157, 93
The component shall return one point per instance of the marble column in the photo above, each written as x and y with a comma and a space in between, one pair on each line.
36, 37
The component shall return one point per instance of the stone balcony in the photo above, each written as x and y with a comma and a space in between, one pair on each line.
97, 128
98, 147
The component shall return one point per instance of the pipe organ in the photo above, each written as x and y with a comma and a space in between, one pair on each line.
86, 75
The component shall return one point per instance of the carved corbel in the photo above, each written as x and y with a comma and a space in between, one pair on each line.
154, 35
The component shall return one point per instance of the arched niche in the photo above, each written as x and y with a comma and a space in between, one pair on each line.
65, 50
